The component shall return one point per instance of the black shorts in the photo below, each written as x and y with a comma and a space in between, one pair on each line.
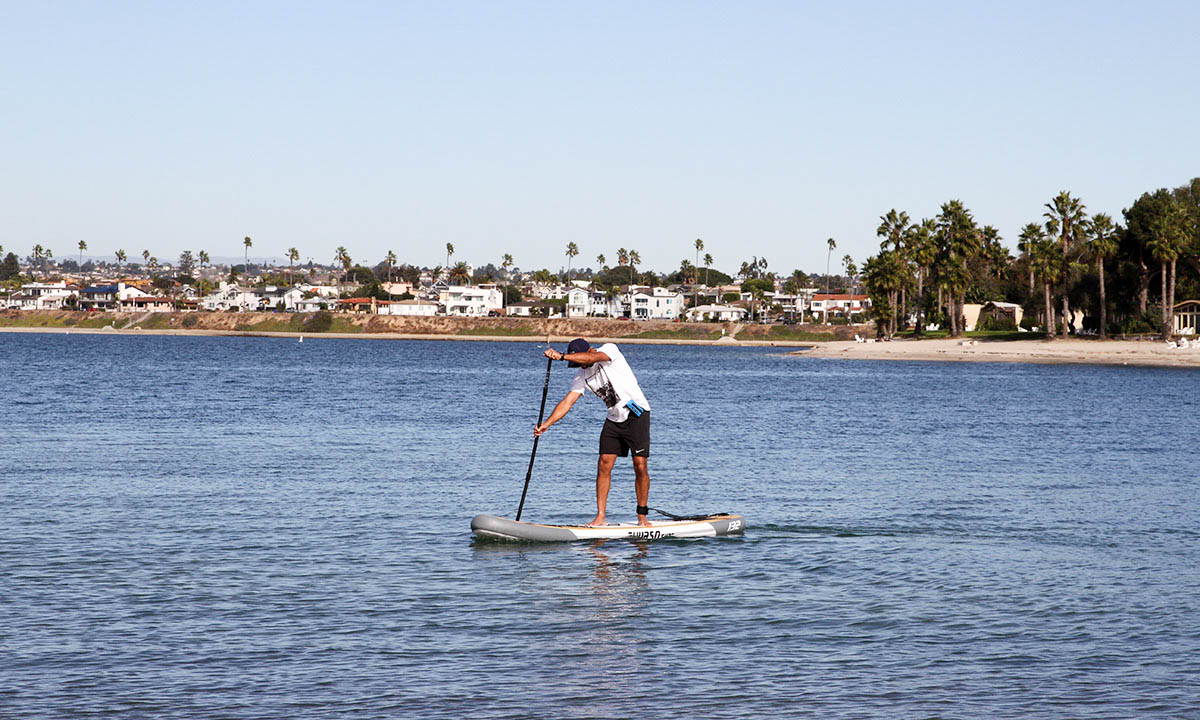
618, 438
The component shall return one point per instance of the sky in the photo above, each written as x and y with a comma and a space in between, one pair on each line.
762, 128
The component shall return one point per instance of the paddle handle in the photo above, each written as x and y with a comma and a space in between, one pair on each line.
532, 455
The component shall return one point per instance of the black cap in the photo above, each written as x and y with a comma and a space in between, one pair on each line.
577, 345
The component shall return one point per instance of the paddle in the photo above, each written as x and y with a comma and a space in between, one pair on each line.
532, 455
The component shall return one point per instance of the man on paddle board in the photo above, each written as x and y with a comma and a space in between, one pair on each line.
605, 372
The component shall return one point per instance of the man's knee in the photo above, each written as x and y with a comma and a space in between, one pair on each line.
606, 462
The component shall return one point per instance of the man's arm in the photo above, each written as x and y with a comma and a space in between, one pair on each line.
560, 411
585, 358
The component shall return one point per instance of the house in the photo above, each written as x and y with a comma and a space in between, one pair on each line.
840, 303
1187, 317
312, 304
715, 313
973, 313
361, 306
418, 308
232, 297
325, 291
279, 298
108, 297
147, 303
529, 308
468, 301
42, 296
655, 304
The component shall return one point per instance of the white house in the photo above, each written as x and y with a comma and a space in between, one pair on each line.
715, 313
325, 291
312, 304
108, 297
419, 308
230, 297
582, 302
279, 298
655, 304
467, 301
147, 303
840, 303
42, 296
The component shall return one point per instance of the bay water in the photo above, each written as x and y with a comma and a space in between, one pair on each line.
195, 527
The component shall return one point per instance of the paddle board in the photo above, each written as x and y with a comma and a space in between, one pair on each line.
491, 527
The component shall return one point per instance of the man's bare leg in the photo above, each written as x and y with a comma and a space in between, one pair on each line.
604, 468
641, 485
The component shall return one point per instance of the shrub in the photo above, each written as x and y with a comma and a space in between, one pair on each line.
1136, 326
321, 321
994, 323
191, 320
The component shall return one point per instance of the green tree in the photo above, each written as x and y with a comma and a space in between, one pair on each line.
187, 263
894, 228
1103, 244
634, 261
459, 275
82, 247
1046, 260
292, 255
572, 251
699, 245
11, 267
600, 260
958, 242
247, 243
391, 262
1066, 217
923, 249
120, 255
342, 257
449, 252
828, 256
203, 257
708, 261
1168, 234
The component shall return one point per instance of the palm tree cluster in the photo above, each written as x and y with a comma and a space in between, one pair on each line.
1059, 275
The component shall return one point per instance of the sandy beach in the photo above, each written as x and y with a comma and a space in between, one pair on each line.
1066, 351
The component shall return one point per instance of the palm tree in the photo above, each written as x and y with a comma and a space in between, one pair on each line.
634, 261
1103, 243
1167, 237
832, 246
894, 228
120, 254
82, 247
708, 261
600, 260
1067, 215
391, 261
699, 244
958, 240
292, 255
145, 258
247, 243
622, 257
449, 252
1046, 262
851, 271
460, 274
572, 251
340, 256
505, 263
203, 256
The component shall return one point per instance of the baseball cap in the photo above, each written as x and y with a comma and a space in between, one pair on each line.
577, 345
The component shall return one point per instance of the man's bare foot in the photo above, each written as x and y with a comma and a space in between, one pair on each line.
643, 522
599, 521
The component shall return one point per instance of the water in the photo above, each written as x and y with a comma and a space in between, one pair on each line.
244, 527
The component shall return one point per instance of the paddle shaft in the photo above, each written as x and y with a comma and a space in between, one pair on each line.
532, 455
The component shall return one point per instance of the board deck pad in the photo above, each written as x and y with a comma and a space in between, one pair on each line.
492, 527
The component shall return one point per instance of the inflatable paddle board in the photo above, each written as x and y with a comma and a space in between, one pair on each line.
491, 527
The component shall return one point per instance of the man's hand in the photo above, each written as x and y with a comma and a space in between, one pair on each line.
553, 354
539, 429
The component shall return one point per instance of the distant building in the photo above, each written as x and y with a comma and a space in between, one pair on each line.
465, 301
715, 313
840, 304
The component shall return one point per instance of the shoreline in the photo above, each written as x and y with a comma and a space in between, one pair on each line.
1068, 351
539, 339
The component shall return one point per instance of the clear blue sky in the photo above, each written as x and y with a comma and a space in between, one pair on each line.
761, 127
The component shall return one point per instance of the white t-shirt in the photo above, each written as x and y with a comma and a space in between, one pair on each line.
613, 382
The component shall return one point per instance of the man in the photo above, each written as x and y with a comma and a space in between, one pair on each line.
626, 429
